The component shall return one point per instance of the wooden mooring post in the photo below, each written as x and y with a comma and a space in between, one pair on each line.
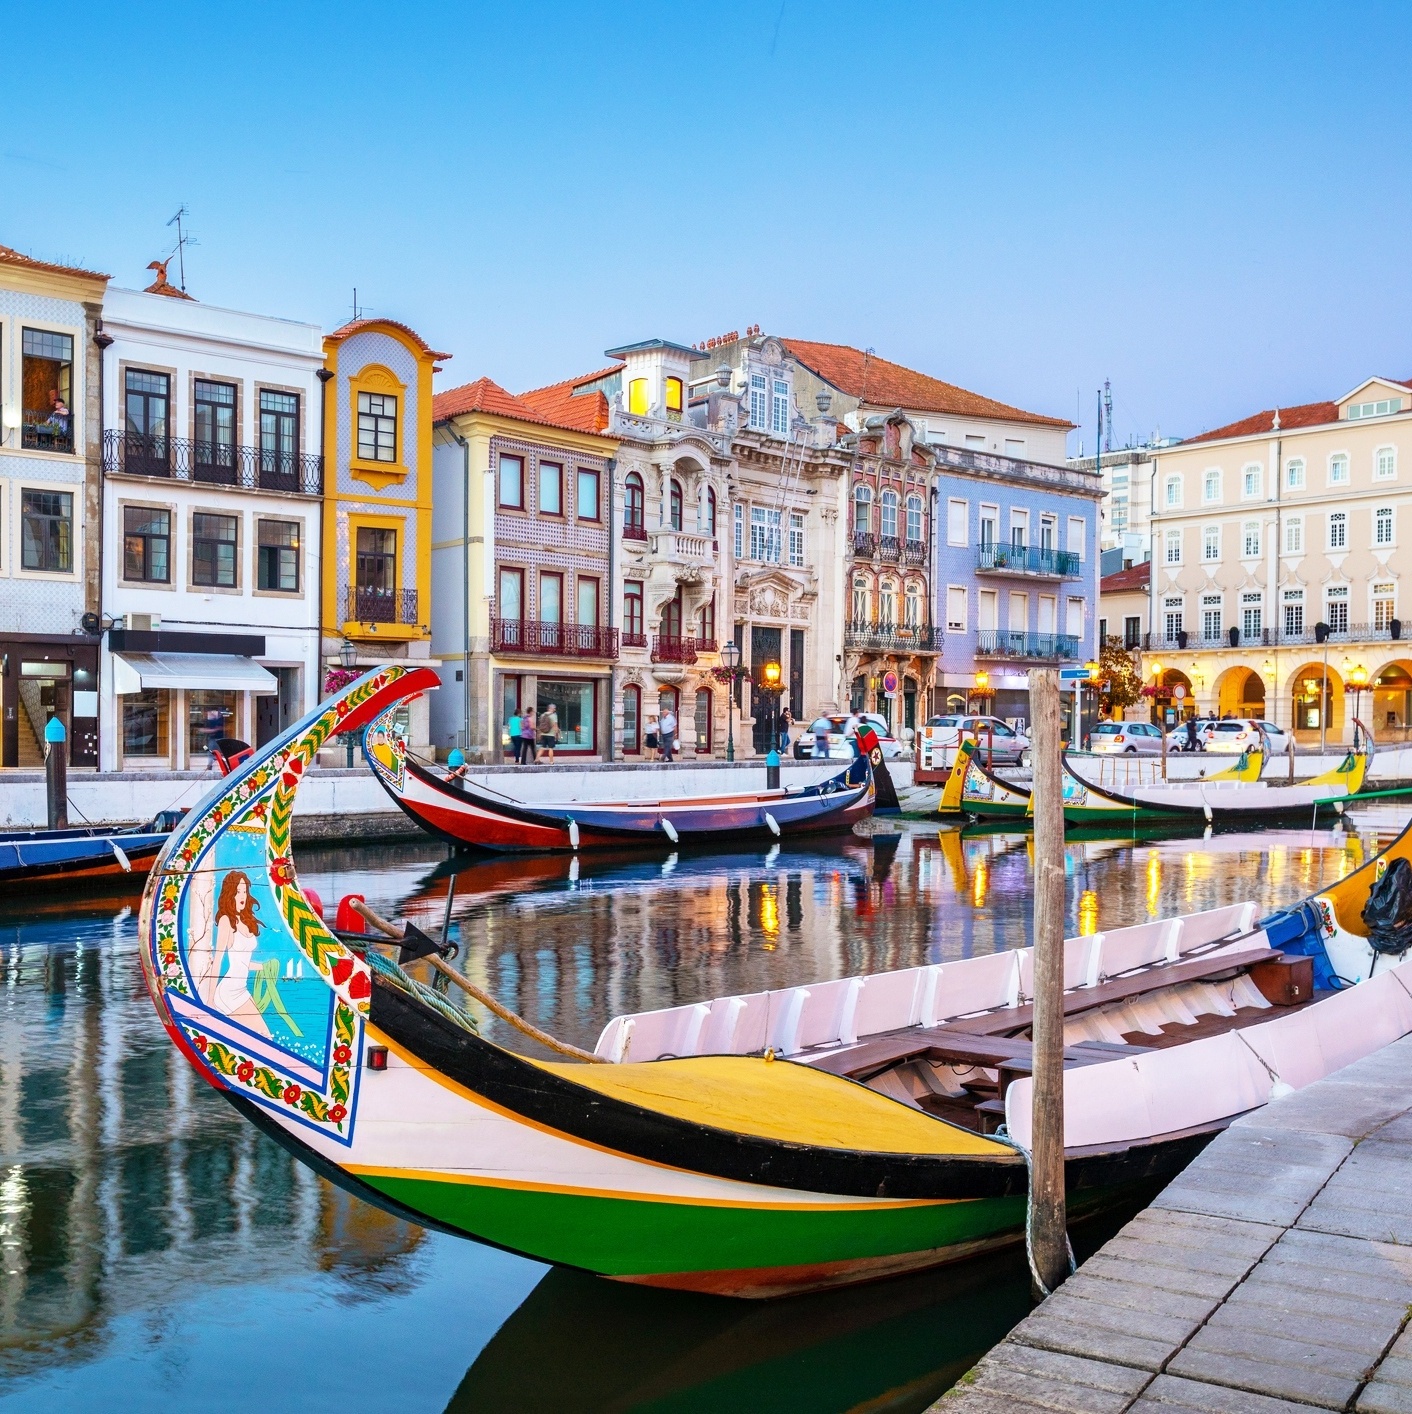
1048, 1226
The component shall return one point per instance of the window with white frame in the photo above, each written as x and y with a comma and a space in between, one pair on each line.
1381, 408
739, 531
1174, 547
914, 520
1385, 463
989, 524
759, 403
1173, 495
1338, 530
1294, 535
913, 606
765, 534
1336, 607
1211, 543
1338, 469
887, 603
862, 509
956, 608
1384, 604
1210, 617
1171, 617
1252, 606
1382, 526
1048, 530
779, 408
1250, 539
1294, 474
796, 540
1078, 528
1074, 619
887, 506
1251, 480
957, 519
1294, 612
1019, 529
860, 600
1211, 486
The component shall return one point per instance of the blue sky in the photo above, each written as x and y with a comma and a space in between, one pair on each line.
1207, 204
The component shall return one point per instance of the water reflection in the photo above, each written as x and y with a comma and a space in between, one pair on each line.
137, 1211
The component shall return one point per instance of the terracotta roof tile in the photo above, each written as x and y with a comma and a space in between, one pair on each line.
355, 325
555, 406
875, 381
1134, 577
9, 256
1305, 415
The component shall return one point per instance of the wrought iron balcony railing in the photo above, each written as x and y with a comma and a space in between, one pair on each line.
668, 649
380, 606
215, 463
566, 640
634, 532
890, 638
1391, 631
864, 542
42, 431
890, 547
634, 640
914, 552
1010, 643
1028, 560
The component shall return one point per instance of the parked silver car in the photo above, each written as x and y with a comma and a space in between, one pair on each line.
1128, 738
1006, 746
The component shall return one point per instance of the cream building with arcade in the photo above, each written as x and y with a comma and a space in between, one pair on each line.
1282, 566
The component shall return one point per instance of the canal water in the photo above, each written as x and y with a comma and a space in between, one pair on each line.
155, 1248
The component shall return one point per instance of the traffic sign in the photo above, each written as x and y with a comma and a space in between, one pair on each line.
889, 683
1073, 674
1179, 691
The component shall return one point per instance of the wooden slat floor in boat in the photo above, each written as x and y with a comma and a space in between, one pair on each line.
1174, 1033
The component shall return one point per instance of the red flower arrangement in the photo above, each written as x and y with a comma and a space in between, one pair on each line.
336, 679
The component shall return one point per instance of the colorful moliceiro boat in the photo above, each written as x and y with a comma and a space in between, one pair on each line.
748, 1145
564, 809
81, 856
1235, 795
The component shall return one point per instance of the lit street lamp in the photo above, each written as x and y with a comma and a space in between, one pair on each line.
771, 674
1358, 680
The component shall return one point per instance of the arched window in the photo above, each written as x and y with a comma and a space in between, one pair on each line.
710, 512
887, 602
888, 503
632, 503
637, 397
862, 509
675, 502
914, 520
913, 606
860, 600
703, 721
674, 396
632, 718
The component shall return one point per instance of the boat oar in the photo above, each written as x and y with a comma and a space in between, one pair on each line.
395, 934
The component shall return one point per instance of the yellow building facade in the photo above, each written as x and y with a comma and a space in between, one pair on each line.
378, 499
1279, 549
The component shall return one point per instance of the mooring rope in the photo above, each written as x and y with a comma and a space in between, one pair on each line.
1002, 1136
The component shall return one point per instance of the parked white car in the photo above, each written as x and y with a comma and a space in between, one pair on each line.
1244, 734
942, 735
840, 745
1127, 738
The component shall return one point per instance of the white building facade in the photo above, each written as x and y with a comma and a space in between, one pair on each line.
211, 573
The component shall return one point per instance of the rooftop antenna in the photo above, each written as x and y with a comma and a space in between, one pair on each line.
183, 240
1108, 414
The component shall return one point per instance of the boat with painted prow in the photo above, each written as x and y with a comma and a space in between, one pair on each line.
562, 809
749, 1145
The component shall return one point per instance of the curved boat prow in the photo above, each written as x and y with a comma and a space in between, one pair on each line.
263, 1000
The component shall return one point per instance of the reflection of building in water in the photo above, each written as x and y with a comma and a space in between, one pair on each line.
124, 1183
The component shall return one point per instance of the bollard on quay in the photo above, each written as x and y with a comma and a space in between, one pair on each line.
56, 773
772, 771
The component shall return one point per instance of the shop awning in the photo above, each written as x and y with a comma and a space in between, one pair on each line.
212, 672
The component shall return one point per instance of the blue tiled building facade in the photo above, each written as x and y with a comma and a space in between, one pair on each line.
1015, 578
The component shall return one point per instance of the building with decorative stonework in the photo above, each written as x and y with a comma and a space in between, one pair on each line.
377, 508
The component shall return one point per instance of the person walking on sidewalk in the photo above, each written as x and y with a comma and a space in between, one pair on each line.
650, 740
512, 730
668, 733
548, 734
526, 756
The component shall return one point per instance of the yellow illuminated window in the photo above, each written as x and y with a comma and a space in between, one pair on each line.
673, 394
637, 396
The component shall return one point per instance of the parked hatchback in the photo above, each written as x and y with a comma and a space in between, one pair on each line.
840, 744
1128, 738
943, 734
1239, 734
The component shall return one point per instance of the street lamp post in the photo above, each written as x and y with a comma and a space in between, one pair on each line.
348, 656
771, 674
730, 660
1358, 677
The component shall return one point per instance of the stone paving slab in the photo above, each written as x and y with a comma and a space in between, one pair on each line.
1274, 1275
